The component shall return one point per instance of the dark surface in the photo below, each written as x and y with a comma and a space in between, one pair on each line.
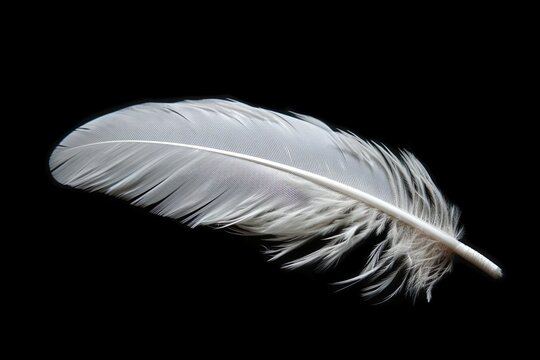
105, 270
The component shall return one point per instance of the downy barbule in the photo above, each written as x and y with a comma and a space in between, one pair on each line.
290, 178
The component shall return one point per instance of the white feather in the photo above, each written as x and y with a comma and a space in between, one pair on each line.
224, 163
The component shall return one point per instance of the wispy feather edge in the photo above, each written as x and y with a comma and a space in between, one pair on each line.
406, 259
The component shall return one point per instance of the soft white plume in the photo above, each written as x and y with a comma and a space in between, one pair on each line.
290, 178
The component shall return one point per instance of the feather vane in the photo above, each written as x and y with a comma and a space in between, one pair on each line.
290, 178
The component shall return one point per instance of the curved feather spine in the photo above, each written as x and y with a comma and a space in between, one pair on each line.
459, 248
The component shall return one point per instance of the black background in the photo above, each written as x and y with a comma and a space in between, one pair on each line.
103, 272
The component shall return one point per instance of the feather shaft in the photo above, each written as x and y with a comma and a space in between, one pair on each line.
459, 248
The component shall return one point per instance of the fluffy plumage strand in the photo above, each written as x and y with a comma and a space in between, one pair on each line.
290, 178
